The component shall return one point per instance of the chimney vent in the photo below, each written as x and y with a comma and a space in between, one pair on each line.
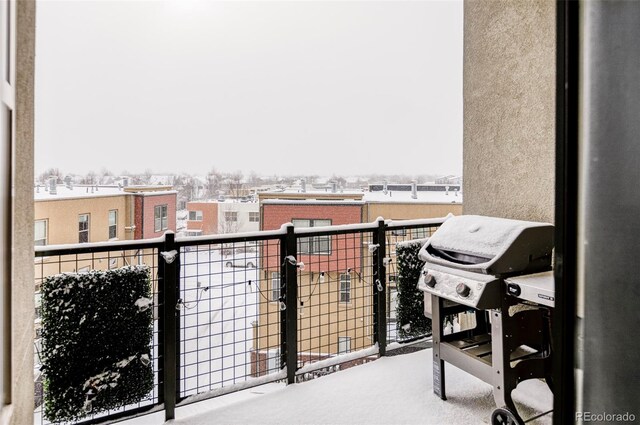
53, 180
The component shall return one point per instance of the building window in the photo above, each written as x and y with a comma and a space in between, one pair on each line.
344, 344
420, 233
195, 215
314, 244
254, 217
160, 218
83, 228
113, 224
345, 288
398, 232
40, 233
275, 286
230, 216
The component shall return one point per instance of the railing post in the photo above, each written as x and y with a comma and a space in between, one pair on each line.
289, 316
379, 289
168, 269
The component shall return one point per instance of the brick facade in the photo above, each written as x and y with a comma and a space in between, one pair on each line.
209, 223
145, 214
275, 215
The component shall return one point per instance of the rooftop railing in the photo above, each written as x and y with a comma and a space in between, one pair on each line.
239, 310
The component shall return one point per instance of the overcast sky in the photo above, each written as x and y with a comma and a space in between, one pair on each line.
308, 87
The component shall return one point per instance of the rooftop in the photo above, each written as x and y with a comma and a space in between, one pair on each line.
390, 390
422, 197
41, 193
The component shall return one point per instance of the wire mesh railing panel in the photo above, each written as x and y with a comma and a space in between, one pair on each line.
393, 237
335, 296
229, 323
50, 265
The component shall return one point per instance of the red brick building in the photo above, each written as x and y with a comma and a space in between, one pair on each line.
334, 292
154, 213
315, 213
202, 218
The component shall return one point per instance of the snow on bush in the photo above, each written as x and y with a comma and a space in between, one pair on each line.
97, 329
411, 322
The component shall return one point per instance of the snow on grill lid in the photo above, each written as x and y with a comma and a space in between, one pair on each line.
478, 235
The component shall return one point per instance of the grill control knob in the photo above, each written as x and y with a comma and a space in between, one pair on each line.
429, 280
463, 290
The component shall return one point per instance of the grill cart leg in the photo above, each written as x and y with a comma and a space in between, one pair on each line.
436, 332
504, 379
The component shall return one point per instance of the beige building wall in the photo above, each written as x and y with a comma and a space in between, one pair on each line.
322, 318
409, 211
19, 410
509, 112
62, 216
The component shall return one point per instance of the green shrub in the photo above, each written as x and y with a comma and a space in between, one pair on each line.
411, 322
96, 329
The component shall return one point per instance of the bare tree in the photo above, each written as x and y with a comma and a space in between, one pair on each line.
146, 176
234, 184
230, 221
89, 178
44, 176
214, 183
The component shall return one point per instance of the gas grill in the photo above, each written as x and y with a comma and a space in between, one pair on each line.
497, 270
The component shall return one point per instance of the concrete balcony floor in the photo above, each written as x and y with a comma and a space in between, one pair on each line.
391, 390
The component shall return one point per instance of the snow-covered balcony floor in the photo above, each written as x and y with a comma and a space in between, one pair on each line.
391, 390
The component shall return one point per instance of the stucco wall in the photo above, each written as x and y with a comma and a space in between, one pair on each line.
62, 216
509, 112
398, 211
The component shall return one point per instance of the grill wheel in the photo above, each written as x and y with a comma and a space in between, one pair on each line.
504, 416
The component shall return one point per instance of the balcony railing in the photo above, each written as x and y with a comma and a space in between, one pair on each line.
240, 310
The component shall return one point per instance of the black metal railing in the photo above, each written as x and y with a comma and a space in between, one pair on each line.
236, 311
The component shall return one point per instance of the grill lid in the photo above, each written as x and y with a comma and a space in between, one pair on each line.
491, 245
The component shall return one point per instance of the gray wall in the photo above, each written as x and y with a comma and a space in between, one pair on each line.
509, 112
610, 205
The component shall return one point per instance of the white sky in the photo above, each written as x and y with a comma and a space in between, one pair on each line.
308, 87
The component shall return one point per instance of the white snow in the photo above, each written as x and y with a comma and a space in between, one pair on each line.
479, 235
390, 390
307, 201
423, 197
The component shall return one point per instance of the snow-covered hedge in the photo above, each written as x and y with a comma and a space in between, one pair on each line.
97, 329
410, 319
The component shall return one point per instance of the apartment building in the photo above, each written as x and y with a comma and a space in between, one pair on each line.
330, 276
224, 216
335, 287
67, 214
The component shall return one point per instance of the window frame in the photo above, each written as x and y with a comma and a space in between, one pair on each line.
86, 231
419, 233
312, 245
46, 232
233, 214
161, 213
275, 287
197, 214
344, 295
7, 149
254, 217
114, 225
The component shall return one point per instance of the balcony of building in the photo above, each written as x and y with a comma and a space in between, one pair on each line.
225, 312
